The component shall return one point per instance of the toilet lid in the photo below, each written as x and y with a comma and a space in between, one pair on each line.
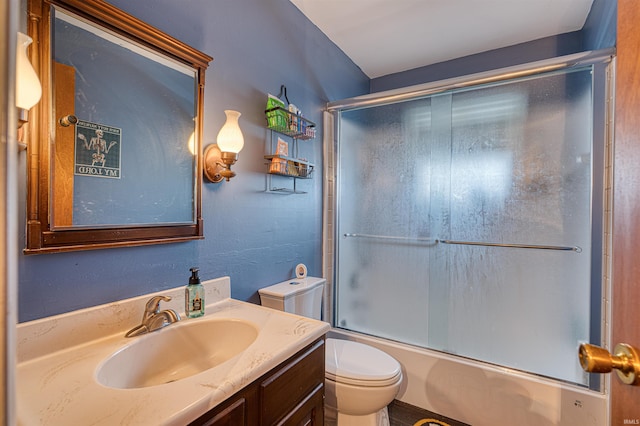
353, 362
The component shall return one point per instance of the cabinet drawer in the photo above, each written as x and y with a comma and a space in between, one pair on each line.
283, 391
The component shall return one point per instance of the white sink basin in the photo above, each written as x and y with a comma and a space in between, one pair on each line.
176, 352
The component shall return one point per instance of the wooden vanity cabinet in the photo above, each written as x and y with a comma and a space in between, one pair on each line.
290, 394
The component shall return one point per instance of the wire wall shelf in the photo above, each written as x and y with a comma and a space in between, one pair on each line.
290, 167
282, 121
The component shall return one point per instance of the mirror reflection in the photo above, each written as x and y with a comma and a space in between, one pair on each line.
127, 159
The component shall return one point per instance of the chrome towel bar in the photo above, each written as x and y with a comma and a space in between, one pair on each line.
524, 246
384, 237
466, 243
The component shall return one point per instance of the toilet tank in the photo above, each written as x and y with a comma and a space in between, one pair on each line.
297, 296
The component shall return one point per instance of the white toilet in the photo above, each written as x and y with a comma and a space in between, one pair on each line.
360, 380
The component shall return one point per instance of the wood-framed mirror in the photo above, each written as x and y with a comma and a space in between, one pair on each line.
114, 146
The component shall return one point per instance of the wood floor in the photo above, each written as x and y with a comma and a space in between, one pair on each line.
403, 414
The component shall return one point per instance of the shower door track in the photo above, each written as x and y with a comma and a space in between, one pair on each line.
426, 89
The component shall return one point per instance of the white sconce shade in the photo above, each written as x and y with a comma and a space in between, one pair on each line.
28, 88
220, 156
230, 137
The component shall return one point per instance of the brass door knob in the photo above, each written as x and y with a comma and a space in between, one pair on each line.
626, 361
68, 120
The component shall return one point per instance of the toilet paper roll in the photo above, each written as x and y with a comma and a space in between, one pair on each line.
301, 271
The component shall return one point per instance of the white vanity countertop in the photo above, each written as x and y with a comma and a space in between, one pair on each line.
58, 357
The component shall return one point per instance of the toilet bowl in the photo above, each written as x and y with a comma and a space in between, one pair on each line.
360, 380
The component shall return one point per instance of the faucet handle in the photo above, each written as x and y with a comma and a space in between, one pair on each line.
153, 304
152, 318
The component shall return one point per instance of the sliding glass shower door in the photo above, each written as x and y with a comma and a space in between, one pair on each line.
470, 221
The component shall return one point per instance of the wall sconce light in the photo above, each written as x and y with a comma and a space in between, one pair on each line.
28, 88
218, 158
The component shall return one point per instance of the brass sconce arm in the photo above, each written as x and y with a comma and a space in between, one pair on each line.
217, 164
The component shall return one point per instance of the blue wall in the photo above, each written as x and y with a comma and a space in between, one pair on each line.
599, 31
256, 238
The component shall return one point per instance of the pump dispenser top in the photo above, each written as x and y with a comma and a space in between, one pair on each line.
194, 296
194, 279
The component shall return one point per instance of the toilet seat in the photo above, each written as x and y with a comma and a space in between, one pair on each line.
359, 364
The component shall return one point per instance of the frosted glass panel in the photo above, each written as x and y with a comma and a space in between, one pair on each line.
385, 185
506, 164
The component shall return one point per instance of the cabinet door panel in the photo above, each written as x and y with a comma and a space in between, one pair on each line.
310, 412
287, 388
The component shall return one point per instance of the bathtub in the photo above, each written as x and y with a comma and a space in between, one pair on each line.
480, 394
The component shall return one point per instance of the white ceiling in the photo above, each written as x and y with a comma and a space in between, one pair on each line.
388, 36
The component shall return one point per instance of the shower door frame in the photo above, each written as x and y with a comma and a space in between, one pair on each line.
599, 330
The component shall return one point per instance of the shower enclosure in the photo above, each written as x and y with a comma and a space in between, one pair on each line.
470, 216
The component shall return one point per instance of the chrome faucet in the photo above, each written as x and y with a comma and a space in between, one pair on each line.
153, 318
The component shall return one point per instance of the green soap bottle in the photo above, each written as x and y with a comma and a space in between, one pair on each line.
194, 296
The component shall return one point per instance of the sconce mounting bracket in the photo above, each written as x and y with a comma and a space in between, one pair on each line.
212, 163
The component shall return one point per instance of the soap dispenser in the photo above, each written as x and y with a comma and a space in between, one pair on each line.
194, 296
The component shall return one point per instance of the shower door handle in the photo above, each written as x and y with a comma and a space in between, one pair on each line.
626, 361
